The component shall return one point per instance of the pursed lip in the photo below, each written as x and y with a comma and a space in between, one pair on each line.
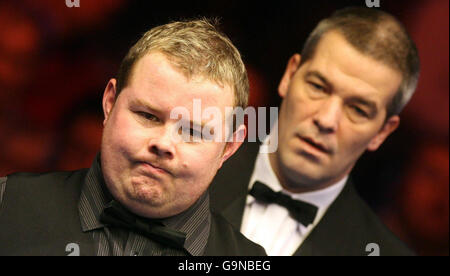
317, 145
155, 168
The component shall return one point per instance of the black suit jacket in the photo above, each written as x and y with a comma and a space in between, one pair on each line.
349, 226
39, 216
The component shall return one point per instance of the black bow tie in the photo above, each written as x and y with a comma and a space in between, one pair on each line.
301, 211
116, 215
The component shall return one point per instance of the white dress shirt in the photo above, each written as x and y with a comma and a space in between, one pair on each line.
270, 224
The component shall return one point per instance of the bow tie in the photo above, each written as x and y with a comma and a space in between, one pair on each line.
301, 211
116, 215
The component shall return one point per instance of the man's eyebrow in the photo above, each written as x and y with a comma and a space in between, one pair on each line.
148, 106
318, 75
139, 102
370, 104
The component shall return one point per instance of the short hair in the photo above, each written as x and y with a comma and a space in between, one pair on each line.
196, 48
379, 35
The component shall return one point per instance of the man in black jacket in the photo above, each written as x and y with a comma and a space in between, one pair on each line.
341, 97
146, 191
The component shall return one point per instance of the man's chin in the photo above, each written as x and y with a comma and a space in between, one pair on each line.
302, 185
147, 203
304, 169
151, 195
308, 179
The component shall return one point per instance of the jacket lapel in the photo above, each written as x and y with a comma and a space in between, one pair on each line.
234, 212
335, 232
230, 186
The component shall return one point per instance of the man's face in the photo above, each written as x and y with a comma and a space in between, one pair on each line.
334, 108
144, 167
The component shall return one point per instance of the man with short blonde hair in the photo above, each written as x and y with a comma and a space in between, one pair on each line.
196, 48
146, 192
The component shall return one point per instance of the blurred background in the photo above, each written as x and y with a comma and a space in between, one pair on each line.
55, 62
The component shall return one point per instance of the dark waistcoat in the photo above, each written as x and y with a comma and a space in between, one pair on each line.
39, 216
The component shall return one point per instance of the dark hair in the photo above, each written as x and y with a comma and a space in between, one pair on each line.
376, 34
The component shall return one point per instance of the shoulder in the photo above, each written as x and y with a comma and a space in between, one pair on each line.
232, 178
2, 188
375, 230
26, 187
225, 240
48, 178
40, 210
28, 177
358, 225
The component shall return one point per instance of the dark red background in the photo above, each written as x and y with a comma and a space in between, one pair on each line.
55, 62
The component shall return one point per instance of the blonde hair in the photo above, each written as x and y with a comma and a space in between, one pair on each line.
196, 48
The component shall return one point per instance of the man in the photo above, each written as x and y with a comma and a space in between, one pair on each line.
341, 97
146, 192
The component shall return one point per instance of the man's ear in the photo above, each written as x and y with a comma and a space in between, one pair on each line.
233, 145
109, 98
291, 68
391, 124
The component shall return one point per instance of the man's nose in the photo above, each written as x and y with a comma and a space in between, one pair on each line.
328, 117
162, 143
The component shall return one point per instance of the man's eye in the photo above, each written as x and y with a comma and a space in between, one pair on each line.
316, 90
359, 111
317, 87
147, 116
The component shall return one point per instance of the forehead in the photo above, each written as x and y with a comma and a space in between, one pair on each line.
348, 70
155, 80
